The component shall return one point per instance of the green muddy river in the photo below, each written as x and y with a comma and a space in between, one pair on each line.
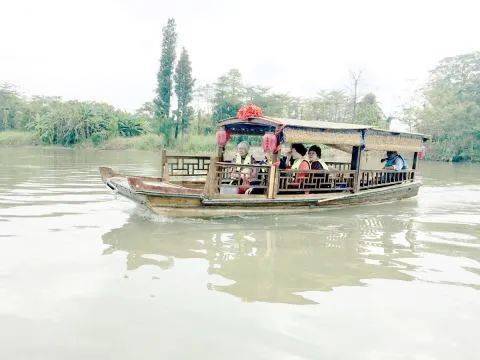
85, 274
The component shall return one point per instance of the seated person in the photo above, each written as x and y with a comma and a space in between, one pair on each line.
259, 177
314, 156
298, 152
242, 157
394, 161
298, 155
286, 161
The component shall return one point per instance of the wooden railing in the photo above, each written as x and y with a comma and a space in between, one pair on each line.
312, 181
226, 178
187, 165
377, 178
237, 179
338, 165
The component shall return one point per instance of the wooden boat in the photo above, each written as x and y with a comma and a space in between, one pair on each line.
203, 186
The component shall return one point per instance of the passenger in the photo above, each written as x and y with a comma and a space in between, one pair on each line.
286, 161
258, 181
314, 156
298, 155
394, 161
299, 163
243, 157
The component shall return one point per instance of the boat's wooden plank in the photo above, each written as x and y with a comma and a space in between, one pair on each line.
160, 188
284, 199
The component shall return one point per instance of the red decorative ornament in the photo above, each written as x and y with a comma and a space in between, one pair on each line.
222, 137
421, 154
249, 111
269, 142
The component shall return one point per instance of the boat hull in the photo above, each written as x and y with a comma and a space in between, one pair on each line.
181, 203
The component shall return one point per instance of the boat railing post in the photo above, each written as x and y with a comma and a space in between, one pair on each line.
414, 164
272, 179
211, 183
164, 173
355, 165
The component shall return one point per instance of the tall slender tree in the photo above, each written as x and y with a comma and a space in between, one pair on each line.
184, 91
164, 76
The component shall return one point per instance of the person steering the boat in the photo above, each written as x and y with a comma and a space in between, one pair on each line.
394, 161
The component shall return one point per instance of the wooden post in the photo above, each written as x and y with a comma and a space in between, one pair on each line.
414, 163
165, 174
415, 160
220, 153
275, 157
272, 178
355, 165
211, 183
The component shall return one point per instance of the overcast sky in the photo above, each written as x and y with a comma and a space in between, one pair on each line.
108, 50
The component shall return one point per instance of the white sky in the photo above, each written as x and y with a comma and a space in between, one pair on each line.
109, 50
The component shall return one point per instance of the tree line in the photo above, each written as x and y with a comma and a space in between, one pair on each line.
447, 107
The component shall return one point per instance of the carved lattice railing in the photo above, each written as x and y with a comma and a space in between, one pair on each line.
186, 165
308, 181
377, 178
338, 165
237, 179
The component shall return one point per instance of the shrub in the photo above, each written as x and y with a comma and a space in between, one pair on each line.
131, 126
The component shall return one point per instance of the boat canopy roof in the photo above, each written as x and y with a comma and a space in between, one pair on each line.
339, 135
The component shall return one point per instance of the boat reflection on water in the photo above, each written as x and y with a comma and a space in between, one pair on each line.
278, 261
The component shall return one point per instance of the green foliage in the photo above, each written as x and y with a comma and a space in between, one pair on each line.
451, 111
164, 126
229, 93
369, 112
164, 76
70, 122
184, 91
332, 105
54, 121
131, 126
12, 108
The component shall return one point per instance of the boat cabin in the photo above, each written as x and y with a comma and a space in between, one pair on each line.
217, 178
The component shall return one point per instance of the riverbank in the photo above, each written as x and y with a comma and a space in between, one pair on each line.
18, 138
146, 142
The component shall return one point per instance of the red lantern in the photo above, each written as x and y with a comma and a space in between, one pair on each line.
269, 143
421, 154
222, 137
249, 111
